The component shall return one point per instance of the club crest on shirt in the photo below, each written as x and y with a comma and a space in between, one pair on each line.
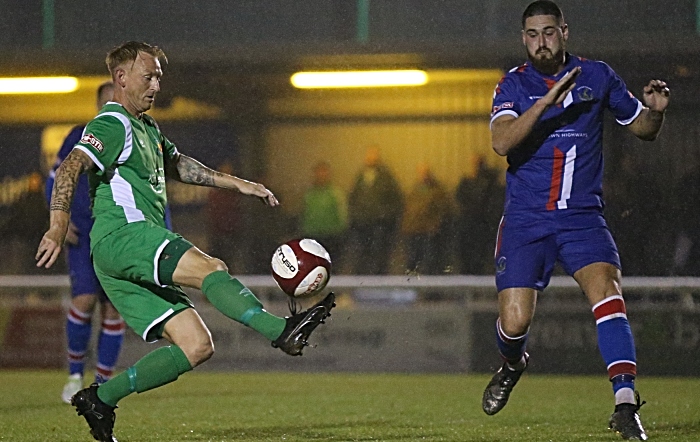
501, 264
584, 93
93, 141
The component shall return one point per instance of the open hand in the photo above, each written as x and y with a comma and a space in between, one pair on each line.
257, 189
656, 95
561, 88
50, 247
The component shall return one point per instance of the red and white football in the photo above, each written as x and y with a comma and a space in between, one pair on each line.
301, 267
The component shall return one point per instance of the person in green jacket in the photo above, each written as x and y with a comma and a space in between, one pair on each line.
325, 214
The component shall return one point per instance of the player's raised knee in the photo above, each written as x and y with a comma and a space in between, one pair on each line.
205, 264
194, 266
217, 265
199, 352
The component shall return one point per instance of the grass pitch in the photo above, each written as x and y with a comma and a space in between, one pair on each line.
205, 406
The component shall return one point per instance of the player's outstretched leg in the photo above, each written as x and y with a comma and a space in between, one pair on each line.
498, 390
625, 420
99, 416
300, 325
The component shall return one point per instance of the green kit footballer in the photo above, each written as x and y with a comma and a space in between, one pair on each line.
142, 265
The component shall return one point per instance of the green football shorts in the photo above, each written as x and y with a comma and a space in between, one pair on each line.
128, 264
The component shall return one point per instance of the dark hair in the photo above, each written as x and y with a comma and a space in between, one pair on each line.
103, 86
542, 7
129, 51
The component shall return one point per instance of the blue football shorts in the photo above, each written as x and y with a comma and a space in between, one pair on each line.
530, 244
83, 280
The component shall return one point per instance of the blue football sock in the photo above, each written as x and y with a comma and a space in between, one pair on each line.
108, 347
615, 342
78, 331
512, 348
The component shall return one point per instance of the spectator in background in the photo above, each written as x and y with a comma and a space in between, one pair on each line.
425, 216
224, 224
686, 261
265, 230
480, 205
374, 206
325, 214
23, 225
85, 288
629, 212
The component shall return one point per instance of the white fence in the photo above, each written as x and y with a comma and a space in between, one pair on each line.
408, 281
394, 323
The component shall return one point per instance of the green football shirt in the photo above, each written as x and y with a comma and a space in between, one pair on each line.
129, 182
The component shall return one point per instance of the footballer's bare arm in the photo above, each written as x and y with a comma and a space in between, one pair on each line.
648, 123
64, 185
66, 179
507, 132
190, 171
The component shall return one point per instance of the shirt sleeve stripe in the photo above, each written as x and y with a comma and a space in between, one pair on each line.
634, 117
91, 155
502, 113
126, 150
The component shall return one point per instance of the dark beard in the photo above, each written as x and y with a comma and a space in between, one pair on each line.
548, 66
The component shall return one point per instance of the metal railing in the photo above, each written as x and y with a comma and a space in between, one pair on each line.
683, 290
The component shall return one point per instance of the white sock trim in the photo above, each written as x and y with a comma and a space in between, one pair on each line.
624, 396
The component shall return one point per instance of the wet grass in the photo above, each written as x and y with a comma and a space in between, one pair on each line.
205, 406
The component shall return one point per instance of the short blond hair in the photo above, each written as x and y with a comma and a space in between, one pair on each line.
129, 51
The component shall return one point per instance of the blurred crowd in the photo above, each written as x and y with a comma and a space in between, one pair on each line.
372, 229
375, 228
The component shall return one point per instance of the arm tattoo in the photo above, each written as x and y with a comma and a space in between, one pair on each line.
191, 171
66, 180
60, 205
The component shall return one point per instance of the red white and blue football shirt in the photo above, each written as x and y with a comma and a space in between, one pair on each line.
560, 164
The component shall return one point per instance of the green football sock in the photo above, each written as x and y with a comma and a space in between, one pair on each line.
159, 367
236, 301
